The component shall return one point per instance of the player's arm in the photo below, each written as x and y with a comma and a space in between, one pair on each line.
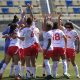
78, 44
6, 36
21, 38
60, 22
49, 43
65, 40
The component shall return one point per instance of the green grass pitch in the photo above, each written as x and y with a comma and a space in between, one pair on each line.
39, 68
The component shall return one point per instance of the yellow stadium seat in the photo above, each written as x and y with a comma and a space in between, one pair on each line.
57, 2
1, 16
64, 9
0, 10
12, 9
70, 10
35, 3
16, 10
6, 17
16, 3
75, 3
63, 3
58, 9
21, 2
36, 10
4, 3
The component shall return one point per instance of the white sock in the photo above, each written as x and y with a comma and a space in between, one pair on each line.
64, 66
55, 68
11, 69
47, 67
22, 71
43, 71
17, 70
34, 71
28, 72
76, 70
3, 68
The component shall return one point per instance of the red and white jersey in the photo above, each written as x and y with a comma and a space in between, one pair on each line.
28, 35
36, 32
21, 43
71, 37
14, 42
46, 36
58, 38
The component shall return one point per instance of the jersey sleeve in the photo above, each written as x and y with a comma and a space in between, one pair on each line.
48, 36
75, 34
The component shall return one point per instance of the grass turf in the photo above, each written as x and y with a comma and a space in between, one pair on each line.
39, 69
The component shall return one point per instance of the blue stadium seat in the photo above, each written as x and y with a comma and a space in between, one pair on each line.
69, 2
76, 10
28, 2
5, 10
27, 10
9, 3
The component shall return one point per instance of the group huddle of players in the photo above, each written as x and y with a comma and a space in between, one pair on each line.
22, 45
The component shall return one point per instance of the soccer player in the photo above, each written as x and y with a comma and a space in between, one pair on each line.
12, 52
29, 49
47, 48
71, 35
59, 50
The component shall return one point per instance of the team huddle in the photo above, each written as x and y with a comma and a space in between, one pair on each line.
22, 45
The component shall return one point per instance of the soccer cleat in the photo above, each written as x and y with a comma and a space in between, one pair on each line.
66, 76
18, 78
78, 76
49, 77
11, 76
0, 76
44, 75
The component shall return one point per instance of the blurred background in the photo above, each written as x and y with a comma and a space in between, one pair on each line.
70, 10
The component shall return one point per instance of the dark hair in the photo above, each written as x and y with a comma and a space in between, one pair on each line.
55, 25
29, 21
70, 24
12, 28
48, 26
16, 19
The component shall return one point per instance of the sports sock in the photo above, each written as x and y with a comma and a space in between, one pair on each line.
47, 67
3, 68
12, 69
76, 70
34, 71
16, 70
55, 68
28, 72
64, 66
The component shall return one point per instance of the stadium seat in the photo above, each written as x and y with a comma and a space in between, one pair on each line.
69, 2
3, 3
21, 3
36, 10
10, 3
70, 10
1, 17
63, 3
75, 3
28, 2
64, 9
76, 10
12, 10
57, 2
35, 3
6, 17
5, 10
16, 3
58, 9
27, 10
